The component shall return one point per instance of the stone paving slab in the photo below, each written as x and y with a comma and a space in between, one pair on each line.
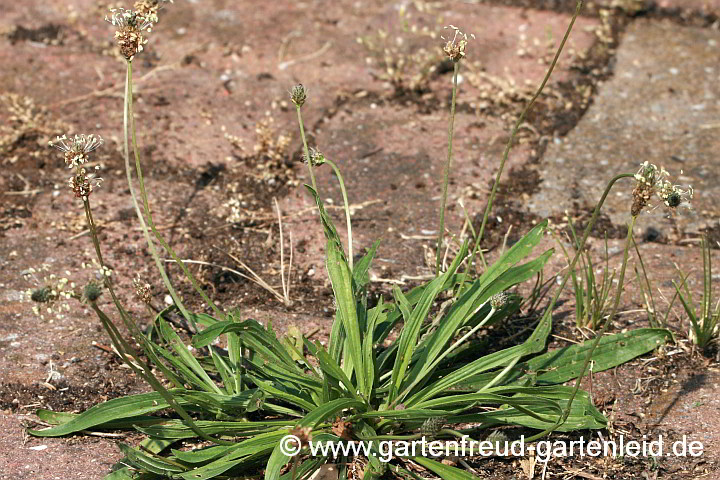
661, 106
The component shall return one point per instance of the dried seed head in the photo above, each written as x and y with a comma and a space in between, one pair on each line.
342, 428
298, 95
455, 48
149, 8
77, 148
142, 290
432, 426
92, 291
83, 184
499, 300
130, 27
303, 434
646, 180
316, 157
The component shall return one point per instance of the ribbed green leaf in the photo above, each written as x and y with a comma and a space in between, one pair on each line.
257, 338
517, 252
540, 408
564, 364
135, 405
534, 344
413, 323
256, 446
296, 398
143, 461
186, 357
460, 314
331, 369
362, 267
445, 472
341, 280
177, 429
376, 315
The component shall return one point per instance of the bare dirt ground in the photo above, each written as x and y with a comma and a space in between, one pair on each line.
212, 109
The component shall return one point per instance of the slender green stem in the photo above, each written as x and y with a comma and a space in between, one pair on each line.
571, 269
586, 234
293, 470
424, 375
122, 346
306, 150
347, 209
449, 431
126, 318
151, 245
515, 129
416, 436
145, 372
446, 176
607, 323
497, 378
146, 207
650, 306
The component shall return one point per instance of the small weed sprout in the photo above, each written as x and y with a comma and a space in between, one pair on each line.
704, 321
592, 293
400, 56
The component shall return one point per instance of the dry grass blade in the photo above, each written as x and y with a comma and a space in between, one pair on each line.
253, 277
285, 285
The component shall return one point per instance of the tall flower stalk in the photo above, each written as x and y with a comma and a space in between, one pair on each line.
513, 134
76, 154
455, 50
298, 95
313, 158
649, 181
130, 27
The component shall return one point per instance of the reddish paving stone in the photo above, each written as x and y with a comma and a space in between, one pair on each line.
30, 458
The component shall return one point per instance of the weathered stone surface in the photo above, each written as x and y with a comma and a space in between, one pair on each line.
662, 105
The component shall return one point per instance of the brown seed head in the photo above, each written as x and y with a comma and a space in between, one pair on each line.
130, 28
342, 428
142, 290
83, 184
303, 434
455, 48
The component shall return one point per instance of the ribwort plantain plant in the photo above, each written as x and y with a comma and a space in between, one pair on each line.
234, 405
